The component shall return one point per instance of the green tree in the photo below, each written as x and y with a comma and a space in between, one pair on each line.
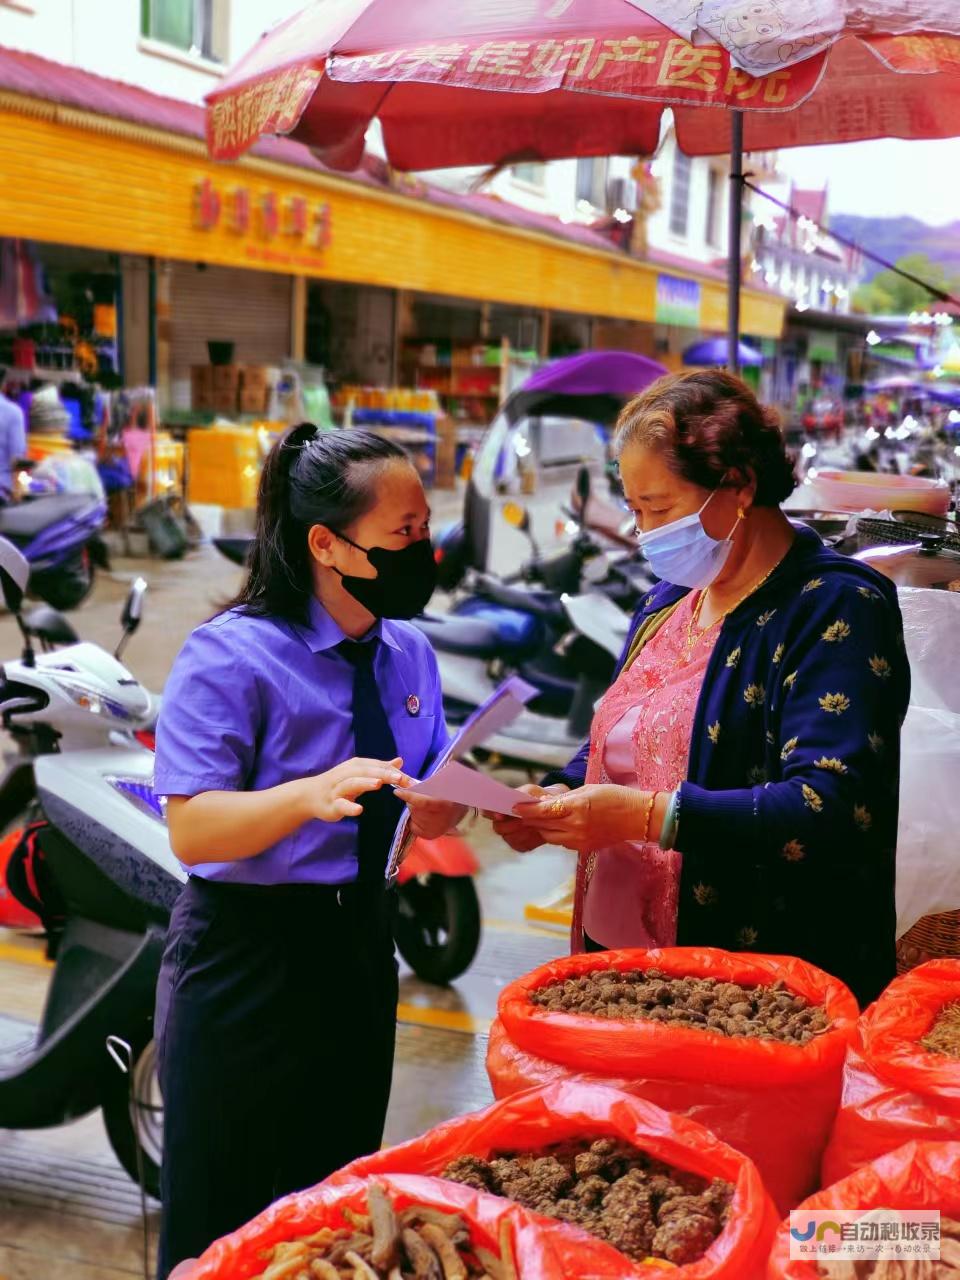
890, 294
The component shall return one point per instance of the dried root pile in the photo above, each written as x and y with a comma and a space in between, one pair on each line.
639, 1205
419, 1243
944, 1035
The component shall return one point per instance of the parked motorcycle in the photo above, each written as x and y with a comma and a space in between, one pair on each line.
94, 863
59, 535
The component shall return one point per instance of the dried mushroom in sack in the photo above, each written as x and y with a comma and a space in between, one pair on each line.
704, 1004
642, 1207
944, 1036
416, 1243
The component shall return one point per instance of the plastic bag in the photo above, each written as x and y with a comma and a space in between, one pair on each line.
928, 869
13, 914
541, 1117
241, 1255
894, 1091
774, 1102
918, 1175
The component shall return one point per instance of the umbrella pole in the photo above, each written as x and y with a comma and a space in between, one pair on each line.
734, 261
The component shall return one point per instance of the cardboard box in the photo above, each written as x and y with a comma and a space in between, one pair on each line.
254, 400
224, 401
201, 386
226, 377
254, 378
445, 476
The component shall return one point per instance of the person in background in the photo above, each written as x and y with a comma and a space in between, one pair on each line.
740, 786
13, 442
287, 722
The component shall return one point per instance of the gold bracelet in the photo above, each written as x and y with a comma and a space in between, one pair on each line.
647, 816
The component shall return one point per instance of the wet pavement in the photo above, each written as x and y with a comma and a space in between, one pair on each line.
66, 1207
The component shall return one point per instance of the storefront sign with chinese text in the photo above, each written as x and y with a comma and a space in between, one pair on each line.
263, 215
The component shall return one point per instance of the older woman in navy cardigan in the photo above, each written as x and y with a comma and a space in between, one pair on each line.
740, 786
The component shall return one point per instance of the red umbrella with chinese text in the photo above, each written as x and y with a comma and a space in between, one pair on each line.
494, 82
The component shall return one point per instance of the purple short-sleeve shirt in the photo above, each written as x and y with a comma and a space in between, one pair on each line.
255, 702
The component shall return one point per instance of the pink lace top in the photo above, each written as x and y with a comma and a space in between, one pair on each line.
641, 738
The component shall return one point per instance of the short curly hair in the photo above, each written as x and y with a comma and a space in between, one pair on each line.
712, 430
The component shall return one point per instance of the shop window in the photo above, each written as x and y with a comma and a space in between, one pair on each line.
194, 26
680, 194
534, 175
714, 207
592, 174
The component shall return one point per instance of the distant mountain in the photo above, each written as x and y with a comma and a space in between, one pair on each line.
893, 238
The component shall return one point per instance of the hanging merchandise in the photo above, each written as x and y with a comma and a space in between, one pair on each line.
896, 1087
24, 296
772, 1098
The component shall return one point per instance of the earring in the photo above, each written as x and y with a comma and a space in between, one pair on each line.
741, 514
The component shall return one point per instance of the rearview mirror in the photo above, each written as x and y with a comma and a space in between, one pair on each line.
133, 609
14, 575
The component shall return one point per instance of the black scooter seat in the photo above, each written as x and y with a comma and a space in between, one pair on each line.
467, 636
26, 520
47, 624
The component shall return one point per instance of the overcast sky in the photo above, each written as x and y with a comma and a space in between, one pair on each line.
885, 178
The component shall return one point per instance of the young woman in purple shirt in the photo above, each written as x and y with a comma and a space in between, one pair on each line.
287, 722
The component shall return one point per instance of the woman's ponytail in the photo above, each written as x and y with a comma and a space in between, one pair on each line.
310, 477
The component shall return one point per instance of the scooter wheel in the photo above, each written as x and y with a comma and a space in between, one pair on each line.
67, 586
438, 926
137, 1135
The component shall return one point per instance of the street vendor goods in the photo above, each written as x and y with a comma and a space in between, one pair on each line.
901, 1080
750, 1046
418, 1243
919, 1178
944, 1035
597, 1184
946, 1267
727, 1008
642, 1207
383, 1228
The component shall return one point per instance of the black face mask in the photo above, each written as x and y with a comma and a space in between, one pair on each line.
404, 583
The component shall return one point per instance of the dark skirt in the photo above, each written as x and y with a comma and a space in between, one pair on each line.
275, 1025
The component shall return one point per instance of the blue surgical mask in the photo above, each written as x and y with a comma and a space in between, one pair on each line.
682, 552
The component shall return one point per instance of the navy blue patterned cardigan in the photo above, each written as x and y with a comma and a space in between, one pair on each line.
788, 816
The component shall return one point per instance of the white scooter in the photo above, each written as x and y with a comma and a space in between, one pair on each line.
97, 868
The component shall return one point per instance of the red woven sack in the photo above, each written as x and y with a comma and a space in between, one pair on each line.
571, 1109
894, 1091
919, 1175
772, 1101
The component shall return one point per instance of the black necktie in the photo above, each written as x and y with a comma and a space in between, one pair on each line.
373, 740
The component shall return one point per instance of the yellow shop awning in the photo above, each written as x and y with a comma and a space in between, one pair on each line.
77, 176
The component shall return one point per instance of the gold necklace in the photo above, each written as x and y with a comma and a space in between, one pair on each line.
694, 640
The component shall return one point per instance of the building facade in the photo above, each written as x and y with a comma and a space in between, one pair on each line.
798, 257
358, 273
178, 48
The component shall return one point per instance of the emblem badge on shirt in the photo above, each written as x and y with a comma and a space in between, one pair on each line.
413, 704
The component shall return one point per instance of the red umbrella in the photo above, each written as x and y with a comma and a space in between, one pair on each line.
504, 81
